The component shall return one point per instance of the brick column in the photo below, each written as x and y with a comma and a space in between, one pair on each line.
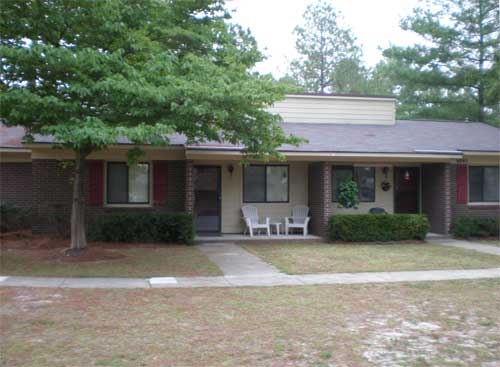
189, 188
320, 196
447, 197
436, 196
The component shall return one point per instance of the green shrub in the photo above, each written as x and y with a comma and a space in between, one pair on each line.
147, 227
348, 195
14, 218
369, 227
466, 227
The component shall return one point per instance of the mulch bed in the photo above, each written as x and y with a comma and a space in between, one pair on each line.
25, 240
45, 247
54, 248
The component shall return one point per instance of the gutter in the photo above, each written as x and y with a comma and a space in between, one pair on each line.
14, 150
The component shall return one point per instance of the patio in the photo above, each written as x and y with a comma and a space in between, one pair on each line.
245, 237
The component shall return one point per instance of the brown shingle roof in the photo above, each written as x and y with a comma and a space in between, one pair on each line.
403, 137
10, 137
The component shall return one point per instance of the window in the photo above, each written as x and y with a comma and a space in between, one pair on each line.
364, 177
483, 184
127, 185
340, 174
265, 184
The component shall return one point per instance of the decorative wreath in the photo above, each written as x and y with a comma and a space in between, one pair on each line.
386, 186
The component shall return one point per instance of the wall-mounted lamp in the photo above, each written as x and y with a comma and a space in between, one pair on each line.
407, 177
230, 169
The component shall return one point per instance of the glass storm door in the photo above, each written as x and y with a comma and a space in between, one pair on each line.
406, 190
207, 203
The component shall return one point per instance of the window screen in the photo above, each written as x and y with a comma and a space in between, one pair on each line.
365, 178
138, 183
127, 185
254, 184
484, 184
277, 183
117, 183
263, 184
340, 174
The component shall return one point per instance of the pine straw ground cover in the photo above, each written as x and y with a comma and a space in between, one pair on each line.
305, 258
25, 254
454, 323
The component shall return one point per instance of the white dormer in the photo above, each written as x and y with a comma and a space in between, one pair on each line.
336, 109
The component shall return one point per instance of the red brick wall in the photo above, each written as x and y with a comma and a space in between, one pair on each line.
436, 196
320, 196
189, 188
16, 184
465, 210
52, 196
439, 198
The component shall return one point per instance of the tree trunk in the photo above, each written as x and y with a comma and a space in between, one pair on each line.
480, 91
78, 237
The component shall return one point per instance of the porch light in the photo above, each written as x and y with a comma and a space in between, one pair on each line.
230, 169
407, 177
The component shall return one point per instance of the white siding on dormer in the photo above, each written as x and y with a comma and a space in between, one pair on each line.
336, 110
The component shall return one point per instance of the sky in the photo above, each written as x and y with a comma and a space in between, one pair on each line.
375, 23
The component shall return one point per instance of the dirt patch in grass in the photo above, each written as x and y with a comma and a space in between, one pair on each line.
307, 258
487, 241
90, 254
30, 255
414, 324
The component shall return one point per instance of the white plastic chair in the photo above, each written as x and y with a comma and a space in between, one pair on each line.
251, 217
299, 219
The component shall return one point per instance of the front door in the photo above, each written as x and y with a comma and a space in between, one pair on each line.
406, 190
207, 198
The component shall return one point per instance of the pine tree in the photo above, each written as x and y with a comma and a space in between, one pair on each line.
323, 46
453, 74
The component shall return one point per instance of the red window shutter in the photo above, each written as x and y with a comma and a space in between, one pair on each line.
96, 183
462, 184
159, 183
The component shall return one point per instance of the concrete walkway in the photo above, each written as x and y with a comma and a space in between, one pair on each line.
446, 241
252, 280
233, 260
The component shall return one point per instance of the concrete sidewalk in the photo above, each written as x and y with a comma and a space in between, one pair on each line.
252, 280
233, 260
468, 245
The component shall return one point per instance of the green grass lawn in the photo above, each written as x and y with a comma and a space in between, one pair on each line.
170, 260
338, 258
407, 324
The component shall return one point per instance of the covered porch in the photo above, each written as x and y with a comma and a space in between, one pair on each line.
219, 185
239, 237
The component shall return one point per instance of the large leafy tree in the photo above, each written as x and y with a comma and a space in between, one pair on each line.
88, 72
453, 73
325, 46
